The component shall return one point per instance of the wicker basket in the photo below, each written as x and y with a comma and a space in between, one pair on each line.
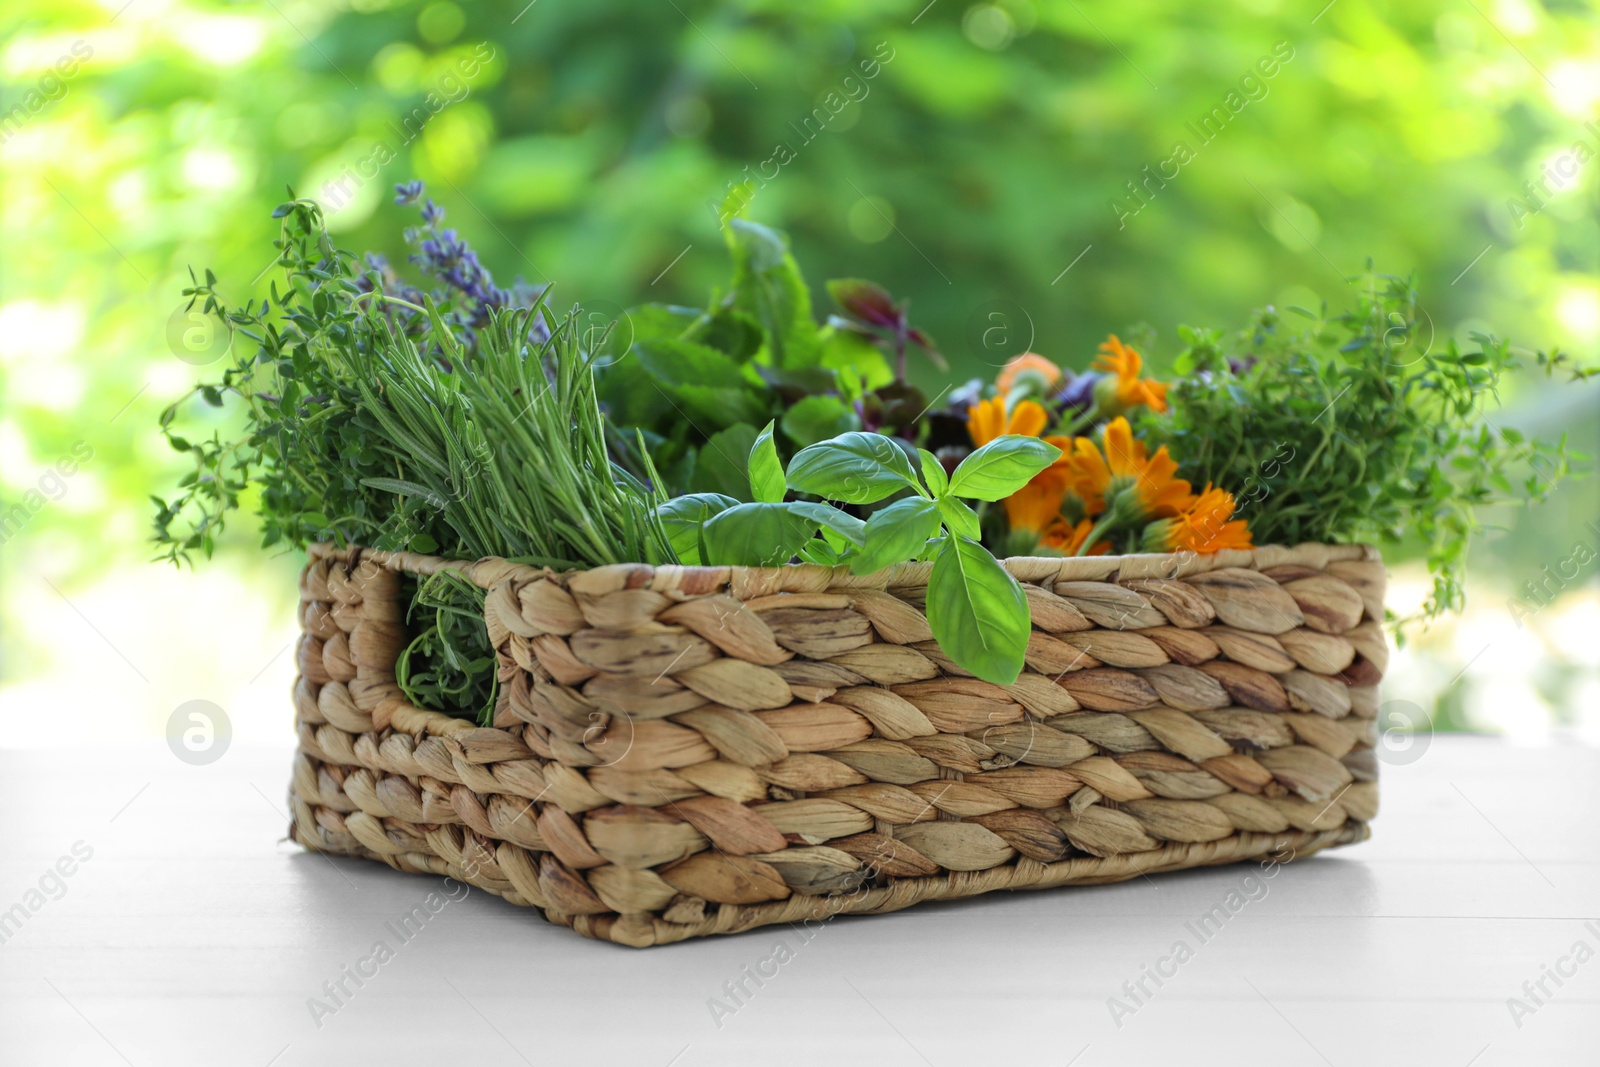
681, 751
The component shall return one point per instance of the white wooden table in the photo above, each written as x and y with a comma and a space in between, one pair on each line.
193, 934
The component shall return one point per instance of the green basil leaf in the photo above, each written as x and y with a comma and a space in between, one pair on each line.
757, 535
933, 473
1001, 467
960, 518
857, 468
978, 612
896, 534
683, 517
817, 418
821, 552
722, 465
766, 469
851, 529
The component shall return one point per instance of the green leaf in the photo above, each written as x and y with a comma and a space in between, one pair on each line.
767, 284
733, 332
959, 517
757, 535
817, 418
857, 468
658, 322
820, 552
707, 382
849, 353
683, 518
933, 473
722, 465
1001, 467
830, 518
978, 612
395, 485
896, 534
766, 470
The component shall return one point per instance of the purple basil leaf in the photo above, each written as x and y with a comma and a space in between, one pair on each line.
929, 347
867, 301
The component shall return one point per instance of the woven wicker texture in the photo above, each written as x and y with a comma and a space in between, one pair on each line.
680, 751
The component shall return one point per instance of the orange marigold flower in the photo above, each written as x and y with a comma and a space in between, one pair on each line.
1207, 525
1155, 477
1130, 390
1068, 539
1030, 365
1089, 473
988, 419
1034, 507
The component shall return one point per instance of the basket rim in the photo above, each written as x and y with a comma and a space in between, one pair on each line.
491, 571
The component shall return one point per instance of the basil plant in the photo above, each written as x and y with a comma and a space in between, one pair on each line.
976, 609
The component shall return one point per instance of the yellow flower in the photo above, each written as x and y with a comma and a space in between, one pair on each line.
988, 419
1031, 368
1129, 390
1087, 474
1038, 504
1152, 479
1035, 506
1205, 526
1069, 539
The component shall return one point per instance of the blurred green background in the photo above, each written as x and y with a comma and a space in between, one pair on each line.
977, 158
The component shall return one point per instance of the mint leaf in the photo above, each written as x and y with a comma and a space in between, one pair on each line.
896, 534
707, 382
766, 470
1001, 467
857, 468
978, 612
768, 286
817, 418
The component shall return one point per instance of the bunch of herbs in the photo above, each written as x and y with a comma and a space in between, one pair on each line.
1358, 427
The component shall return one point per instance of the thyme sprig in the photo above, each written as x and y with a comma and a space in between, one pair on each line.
1360, 427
